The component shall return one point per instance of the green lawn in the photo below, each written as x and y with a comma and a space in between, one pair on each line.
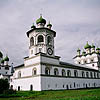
87, 94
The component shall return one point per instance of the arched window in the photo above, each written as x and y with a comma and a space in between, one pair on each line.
91, 74
47, 71
49, 40
68, 73
31, 41
97, 75
40, 39
19, 74
75, 73
87, 74
34, 72
63, 72
83, 74
56, 71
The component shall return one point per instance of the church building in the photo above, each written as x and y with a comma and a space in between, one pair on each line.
43, 70
6, 70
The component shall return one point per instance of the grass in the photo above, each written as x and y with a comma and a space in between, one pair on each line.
86, 94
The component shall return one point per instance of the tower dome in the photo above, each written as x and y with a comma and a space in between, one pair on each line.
6, 58
1, 55
41, 20
92, 46
87, 46
49, 25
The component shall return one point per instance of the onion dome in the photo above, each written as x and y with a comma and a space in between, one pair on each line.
49, 24
2, 61
78, 50
40, 20
92, 46
87, 46
1, 55
84, 53
97, 48
6, 58
33, 26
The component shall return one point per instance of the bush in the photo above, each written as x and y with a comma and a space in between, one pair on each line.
4, 85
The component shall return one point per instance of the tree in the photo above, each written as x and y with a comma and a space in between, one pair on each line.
4, 85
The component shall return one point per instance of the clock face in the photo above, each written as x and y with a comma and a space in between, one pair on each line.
50, 51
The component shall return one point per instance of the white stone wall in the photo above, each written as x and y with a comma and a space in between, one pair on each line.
57, 83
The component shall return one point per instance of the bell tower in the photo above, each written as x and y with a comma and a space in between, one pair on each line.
41, 38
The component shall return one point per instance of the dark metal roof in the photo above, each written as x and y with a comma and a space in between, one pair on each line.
76, 66
19, 66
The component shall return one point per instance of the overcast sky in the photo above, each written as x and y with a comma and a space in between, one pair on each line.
75, 21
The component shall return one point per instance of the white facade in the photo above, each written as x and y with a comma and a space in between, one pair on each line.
42, 70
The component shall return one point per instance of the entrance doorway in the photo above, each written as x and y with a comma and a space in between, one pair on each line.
31, 87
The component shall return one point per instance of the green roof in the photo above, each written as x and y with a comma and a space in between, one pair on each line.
78, 50
84, 53
87, 46
97, 48
49, 24
2, 61
6, 58
1, 55
33, 26
92, 46
40, 20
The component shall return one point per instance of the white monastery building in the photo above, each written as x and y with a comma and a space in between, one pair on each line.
43, 70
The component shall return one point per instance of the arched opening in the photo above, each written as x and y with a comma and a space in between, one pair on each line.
67, 87
34, 72
75, 73
31, 41
47, 71
40, 39
56, 71
19, 74
87, 74
49, 40
68, 73
63, 72
83, 74
31, 87
18, 88
11, 87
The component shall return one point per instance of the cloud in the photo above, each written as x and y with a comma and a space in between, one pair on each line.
74, 21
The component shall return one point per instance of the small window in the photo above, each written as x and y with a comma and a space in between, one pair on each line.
93, 65
56, 71
34, 71
31, 41
47, 71
40, 39
31, 51
63, 72
19, 74
49, 40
